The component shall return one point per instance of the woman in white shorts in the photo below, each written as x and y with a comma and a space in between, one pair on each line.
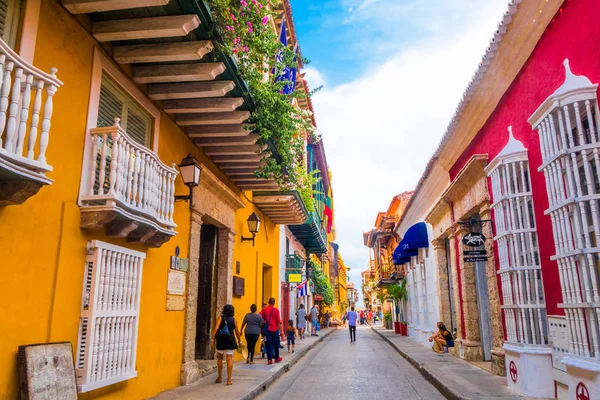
301, 324
226, 342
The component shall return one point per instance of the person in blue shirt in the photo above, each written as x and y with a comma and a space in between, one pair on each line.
352, 316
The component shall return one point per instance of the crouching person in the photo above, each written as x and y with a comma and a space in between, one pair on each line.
442, 339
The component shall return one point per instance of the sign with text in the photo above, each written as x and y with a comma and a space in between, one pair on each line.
176, 282
294, 278
318, 297
473, 239
474, 253
475, 259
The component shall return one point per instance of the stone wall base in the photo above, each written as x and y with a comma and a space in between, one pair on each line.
498, 362
189, 372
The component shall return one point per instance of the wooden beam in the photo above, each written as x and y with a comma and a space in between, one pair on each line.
162, 52
194, 90
162, 73
225, 118
242, 158
89, 6
227, 141
227, 166
245, 170
257, 185
144, 28
232, 150
243, 173
210, 105
250, 178
205, 131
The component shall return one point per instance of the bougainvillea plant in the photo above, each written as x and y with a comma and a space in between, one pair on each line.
247, 29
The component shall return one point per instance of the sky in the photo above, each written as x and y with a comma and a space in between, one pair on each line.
392, 73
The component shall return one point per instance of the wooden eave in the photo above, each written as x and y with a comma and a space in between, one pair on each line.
168, 47
285, 208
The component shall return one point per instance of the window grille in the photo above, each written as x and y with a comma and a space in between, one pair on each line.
518, 253
567, 124
110, 306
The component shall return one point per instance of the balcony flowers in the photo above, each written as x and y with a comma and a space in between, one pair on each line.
249, 36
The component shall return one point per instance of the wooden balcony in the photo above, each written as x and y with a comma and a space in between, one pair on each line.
284, 208
126, 189
24, 127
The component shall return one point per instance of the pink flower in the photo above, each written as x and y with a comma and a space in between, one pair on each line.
250, 30
229, 28
259, 5
236, 40
243, 3
245, 49
249, 24
264, 20
233, 17
253, 1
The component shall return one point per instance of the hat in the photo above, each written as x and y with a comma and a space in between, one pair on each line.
243, 350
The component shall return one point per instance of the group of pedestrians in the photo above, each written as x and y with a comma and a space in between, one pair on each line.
227, 337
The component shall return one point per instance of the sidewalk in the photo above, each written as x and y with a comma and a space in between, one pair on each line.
455, 378
248, 380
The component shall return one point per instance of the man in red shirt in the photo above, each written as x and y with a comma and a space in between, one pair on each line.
272, 319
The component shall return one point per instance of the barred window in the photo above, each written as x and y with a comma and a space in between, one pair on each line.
518, 253
110, 307
567, 124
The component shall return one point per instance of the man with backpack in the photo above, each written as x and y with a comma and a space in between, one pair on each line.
271, 330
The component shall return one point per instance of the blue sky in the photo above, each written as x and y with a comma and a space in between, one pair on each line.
393, 72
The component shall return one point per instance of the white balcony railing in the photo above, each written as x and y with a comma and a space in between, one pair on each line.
24, 128
123, 175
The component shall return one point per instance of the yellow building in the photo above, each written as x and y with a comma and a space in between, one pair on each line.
97, 248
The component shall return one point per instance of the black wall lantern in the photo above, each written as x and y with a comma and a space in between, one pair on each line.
253, 226
190, 173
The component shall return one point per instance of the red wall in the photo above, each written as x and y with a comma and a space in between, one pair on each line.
573, 34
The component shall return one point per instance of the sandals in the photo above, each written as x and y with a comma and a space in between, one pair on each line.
229, 383
219, 380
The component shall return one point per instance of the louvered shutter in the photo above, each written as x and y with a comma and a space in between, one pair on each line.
10, 11
110, 307
114, 102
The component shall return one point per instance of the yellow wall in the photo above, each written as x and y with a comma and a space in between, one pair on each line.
43, 247
253, 260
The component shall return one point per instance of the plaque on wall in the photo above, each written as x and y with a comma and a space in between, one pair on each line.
46, 371
238, 286
175, 303
176, 282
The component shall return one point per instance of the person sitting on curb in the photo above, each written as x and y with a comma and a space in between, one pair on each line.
442, 339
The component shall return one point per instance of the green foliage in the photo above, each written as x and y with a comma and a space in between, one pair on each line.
387, 316
382, 295
248, 36
322, 284
399, 293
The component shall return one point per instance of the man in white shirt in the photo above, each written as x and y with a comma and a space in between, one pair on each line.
352, 317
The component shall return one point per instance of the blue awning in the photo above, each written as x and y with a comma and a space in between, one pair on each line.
414, 239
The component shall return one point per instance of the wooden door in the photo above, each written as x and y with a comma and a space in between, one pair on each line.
208, 242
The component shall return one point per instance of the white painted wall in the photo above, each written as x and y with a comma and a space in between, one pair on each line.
294, 246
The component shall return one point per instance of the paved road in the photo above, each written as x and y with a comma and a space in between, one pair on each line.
366, 369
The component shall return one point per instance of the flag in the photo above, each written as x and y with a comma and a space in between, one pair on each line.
302, 290
287, 73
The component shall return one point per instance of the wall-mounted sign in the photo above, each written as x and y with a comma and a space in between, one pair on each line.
294, 278
238, 286
318, 297
176, 282
184, 264
474, 253
473, 239
475, 259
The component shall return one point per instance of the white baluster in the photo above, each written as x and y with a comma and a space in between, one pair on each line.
48, 108
134, 183
102, 172
35, 119
2, 71
4, 92
13, 110
141, 181
93, 164
26, 100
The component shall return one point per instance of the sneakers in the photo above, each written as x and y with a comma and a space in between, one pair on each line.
279, 360
270, 362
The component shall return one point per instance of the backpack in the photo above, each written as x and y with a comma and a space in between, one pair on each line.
224, 331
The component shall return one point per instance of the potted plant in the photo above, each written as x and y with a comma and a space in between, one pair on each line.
399, 294
387, 320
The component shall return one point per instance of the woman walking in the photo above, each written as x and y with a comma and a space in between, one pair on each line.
252, 324
223, 334
301, 314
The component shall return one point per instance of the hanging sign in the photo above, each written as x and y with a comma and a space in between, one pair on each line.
475, 259
473, 239
294, 278
318, 297
474, 252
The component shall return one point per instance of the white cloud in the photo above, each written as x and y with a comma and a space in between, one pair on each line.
381, 129
314, 78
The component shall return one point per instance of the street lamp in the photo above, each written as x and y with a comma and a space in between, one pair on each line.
253, 226
190, 173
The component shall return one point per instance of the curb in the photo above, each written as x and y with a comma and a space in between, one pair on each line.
286, 367
427, 374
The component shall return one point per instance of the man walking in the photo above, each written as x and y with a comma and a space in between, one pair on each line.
272, 319
314, 314
352, 317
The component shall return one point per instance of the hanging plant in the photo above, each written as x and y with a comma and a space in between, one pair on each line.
248, 35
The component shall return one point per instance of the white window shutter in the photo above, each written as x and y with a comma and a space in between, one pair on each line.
110, 306
10, 12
